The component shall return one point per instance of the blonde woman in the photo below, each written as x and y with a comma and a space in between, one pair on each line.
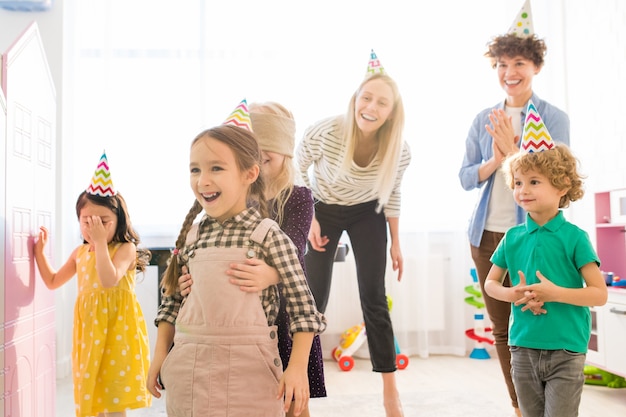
358, 162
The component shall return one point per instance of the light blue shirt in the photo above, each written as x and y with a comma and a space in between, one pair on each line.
479, 148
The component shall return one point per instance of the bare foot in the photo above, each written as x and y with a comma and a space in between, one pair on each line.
393, 407
391, 396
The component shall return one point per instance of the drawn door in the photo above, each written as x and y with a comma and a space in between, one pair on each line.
29, 334
3, 126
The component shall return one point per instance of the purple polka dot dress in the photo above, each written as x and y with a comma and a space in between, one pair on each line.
296, 223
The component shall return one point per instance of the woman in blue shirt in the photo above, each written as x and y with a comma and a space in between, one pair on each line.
494, 134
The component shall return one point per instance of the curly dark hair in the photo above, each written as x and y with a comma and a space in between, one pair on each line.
512, 45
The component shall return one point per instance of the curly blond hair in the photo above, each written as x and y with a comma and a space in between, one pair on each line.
558, 164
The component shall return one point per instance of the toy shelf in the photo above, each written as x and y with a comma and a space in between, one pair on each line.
610, 233
608, 334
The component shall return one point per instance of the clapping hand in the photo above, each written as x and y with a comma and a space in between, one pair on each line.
501, 130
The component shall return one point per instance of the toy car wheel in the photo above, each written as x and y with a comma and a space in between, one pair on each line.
333, 353
402, 361
346, 363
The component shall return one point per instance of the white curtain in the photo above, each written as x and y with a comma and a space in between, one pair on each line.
147, 76
428, 309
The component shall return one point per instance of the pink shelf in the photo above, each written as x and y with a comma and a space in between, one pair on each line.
610, 237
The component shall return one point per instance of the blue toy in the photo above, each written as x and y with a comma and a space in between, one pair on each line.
478, 333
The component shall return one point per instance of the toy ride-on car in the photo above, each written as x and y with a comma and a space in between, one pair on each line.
351, 340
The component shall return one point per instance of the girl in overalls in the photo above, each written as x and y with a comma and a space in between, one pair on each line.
225, 359
291, 206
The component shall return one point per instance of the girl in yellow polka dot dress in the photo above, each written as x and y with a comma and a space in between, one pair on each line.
110, 356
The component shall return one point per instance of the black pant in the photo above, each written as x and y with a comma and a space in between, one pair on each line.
368, 236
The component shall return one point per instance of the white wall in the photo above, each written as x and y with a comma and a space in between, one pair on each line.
595, 51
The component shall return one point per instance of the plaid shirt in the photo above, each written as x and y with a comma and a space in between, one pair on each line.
277, 250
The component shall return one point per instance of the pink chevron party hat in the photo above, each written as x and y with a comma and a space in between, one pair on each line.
101, 183
523, 23
536, 136
240, 117
374, 66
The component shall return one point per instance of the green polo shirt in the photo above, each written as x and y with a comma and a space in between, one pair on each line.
559, 250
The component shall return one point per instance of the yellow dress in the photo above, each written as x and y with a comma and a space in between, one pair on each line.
111, 354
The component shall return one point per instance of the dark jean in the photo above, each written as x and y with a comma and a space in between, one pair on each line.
549, 383
368, 236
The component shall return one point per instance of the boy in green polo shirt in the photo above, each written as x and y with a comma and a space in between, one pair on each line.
555, 277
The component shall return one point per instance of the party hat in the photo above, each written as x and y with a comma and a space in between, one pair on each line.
101, 183
240, 117
374, 66
536, 135
523, 23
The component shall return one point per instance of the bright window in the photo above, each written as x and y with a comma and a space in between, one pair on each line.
149, 75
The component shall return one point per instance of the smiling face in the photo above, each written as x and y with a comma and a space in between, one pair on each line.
109, 220
535, 193
216, 179
373, 106
516, 78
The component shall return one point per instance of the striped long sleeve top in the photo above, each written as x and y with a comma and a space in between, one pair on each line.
321, 147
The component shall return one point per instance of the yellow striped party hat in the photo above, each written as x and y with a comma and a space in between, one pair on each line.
240, 117
373, 65
523, 23
536, 136
101, 183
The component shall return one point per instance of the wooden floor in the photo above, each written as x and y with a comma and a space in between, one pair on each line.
437, 373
